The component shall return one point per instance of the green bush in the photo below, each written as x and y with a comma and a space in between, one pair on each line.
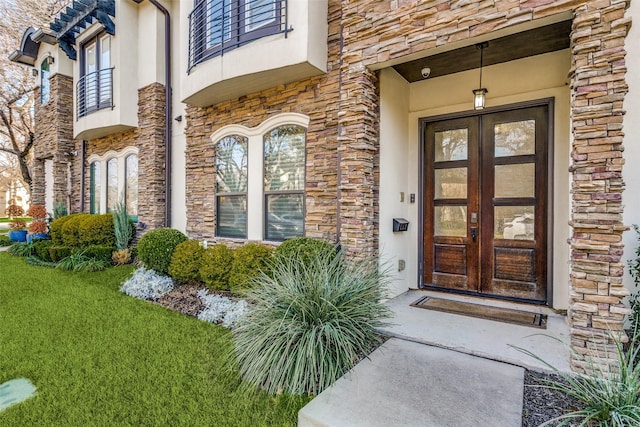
97, 230
124, 231
55, 229
186, 261
60, 210
80, 262
303, 248
100, 252
156, 248
71, 229
248, 261
216, 266
22, 249
41, 248
310, 323
634, 299
58, 253
5, 241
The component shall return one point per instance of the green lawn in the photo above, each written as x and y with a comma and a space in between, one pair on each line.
6, 219
101, 358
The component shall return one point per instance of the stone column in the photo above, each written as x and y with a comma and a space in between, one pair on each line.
598, 87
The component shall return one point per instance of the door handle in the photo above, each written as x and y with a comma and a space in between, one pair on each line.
474, 233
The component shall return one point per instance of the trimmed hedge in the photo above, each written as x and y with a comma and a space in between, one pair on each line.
100, 252
303, 248
156, 248
97, 230
58, 253
71, 229
186, 261
55, 229
248, 261
41, 248
216, 266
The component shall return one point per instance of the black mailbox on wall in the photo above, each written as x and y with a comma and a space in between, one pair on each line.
400, 224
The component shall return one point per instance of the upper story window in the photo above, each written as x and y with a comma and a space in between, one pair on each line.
231, 186
216, 26
94, 89
45, 84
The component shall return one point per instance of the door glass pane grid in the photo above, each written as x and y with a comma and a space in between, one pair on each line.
517, 180
514, 222
451, 145
450, 183
515, 138
450, 221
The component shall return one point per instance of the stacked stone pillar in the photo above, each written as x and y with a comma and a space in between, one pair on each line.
596, 310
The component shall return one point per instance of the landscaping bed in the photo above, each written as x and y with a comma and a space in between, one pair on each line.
542, 404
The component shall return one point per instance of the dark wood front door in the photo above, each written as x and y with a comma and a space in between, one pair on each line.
485, 204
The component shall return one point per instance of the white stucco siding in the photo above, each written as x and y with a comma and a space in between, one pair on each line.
532, 78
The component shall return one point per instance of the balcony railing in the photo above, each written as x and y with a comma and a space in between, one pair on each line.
94, 91
217, 26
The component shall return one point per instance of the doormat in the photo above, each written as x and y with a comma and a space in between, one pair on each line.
507, 315
15, 391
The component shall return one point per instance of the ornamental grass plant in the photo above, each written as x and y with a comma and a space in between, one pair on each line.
310, 322
610, 394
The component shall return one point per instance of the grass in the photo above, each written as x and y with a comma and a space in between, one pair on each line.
23, 218
99, 357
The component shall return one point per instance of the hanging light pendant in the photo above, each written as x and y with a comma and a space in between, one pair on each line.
479, 94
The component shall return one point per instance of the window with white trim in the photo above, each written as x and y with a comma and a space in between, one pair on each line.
265, 201
120, 172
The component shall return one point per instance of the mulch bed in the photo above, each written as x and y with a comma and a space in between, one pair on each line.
183, 299
542, 404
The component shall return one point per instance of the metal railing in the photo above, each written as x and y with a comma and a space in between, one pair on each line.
217, 26
94, 91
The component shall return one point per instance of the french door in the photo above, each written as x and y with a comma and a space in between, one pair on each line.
486, 204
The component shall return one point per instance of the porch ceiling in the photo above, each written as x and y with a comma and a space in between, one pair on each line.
540, 40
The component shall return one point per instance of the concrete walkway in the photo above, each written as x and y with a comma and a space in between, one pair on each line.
441, 369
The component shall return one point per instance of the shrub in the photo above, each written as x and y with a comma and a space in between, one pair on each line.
310, 322
37, 212
5, 241
216, 266
80, 262
156, 247
147, 284
123, 230
58, 253
55, 229
41, 248
634, 300
97, 230
221, 310
303, 248
70, 230
186, 261
38, 227
17, 224
610, 394
121, 257
248, 261
99, 252
15, 210
22, 249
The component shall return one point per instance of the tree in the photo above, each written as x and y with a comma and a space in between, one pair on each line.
16, 84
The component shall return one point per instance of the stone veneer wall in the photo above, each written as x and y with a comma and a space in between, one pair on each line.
316, 98
149, 138
54, 140
378, 31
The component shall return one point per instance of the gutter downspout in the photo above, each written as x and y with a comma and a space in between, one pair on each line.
168, 112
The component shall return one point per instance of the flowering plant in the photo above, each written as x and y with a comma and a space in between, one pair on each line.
37, 212
14, 210
38, 227
17, 225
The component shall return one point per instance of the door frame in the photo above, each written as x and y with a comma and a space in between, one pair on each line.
422, 123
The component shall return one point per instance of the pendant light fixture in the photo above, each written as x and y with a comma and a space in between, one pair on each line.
479, 94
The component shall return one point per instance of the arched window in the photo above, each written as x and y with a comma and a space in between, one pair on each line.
131, 184
284, 180
112, 184
231, 186
94, 188
45, 84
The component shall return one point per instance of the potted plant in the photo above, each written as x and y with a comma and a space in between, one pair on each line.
18, 233
38, 227
14, 211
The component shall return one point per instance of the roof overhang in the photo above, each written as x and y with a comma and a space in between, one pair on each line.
80, 15
28, 52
